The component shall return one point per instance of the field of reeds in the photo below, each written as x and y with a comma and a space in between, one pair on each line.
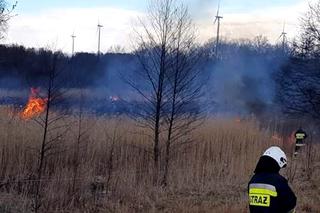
110, 168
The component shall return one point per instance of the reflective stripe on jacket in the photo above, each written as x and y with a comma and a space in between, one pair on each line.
270, 193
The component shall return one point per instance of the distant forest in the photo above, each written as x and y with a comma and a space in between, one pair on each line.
22, 67
250, 76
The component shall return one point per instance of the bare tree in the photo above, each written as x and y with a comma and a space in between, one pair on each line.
298, 81
5, 15
152, 54
299, 89
52, 122
308, 43
182, 113
166, 54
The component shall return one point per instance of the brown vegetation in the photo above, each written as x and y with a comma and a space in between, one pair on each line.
113, 167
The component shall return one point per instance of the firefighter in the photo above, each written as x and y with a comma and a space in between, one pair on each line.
269, 192
300, 136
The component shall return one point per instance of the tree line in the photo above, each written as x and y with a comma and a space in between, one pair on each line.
270, 76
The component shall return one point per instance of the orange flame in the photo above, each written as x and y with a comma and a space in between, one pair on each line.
35, 106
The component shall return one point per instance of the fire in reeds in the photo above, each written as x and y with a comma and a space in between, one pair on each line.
35, 106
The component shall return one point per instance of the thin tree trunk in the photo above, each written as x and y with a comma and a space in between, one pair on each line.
43, 146
171, 120
168, 144
156, 149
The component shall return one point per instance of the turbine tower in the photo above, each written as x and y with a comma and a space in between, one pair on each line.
217, 20
73, 38
99, 37
283, 35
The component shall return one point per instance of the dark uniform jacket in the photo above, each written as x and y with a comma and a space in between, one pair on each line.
300, 135
269, 192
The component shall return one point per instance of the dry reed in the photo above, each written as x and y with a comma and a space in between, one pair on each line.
114, 168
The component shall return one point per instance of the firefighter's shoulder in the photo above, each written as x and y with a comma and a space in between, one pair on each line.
280, 178
274, 179
279, 181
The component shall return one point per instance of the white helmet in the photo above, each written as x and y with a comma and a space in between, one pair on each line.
277, 154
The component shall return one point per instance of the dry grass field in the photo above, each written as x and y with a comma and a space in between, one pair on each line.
110, 169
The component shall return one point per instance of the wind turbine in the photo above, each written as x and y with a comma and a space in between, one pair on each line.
283, 35
217, 20
73, 38
99, 37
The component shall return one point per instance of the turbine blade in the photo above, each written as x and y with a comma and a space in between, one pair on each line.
15, 5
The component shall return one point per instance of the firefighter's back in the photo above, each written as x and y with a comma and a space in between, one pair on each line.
270, 193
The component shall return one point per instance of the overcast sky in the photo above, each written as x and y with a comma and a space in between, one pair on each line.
50, 23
